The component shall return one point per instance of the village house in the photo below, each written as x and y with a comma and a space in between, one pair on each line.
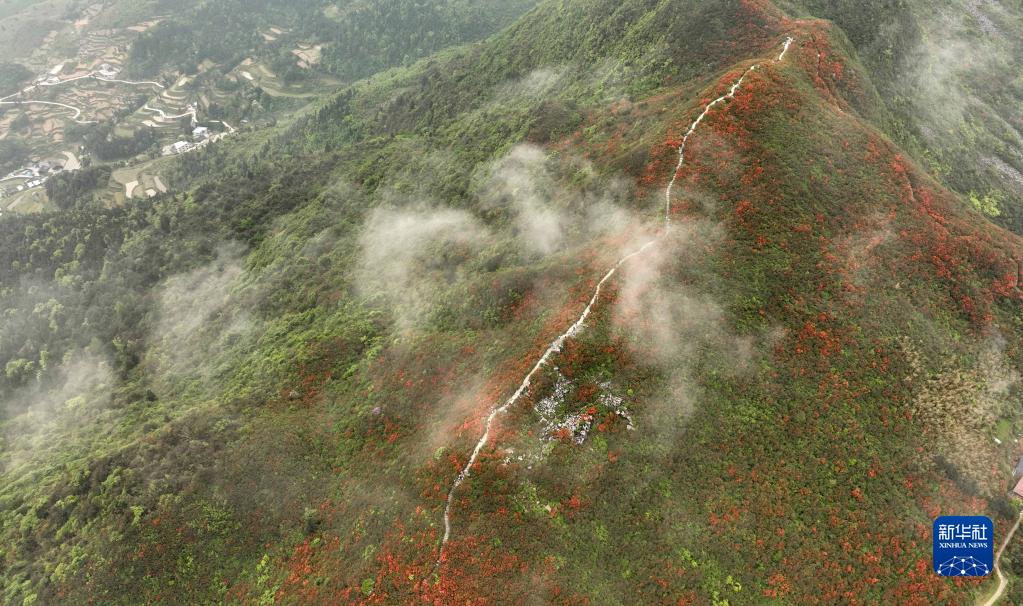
107, 71
1017, 476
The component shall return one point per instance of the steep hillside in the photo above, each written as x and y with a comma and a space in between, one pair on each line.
948, 73
384, 359
353, 38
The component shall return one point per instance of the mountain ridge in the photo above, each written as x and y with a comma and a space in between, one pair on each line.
776, 382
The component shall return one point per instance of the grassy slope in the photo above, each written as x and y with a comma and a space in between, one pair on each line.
833, 250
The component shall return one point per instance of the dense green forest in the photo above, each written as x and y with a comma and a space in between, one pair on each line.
73, 189
222, 32
259, 387
13, 153
366, 37
361, 37
12, 77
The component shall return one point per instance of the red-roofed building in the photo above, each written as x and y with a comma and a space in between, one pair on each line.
1018, 490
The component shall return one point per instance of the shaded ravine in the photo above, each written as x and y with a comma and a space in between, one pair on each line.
578, 325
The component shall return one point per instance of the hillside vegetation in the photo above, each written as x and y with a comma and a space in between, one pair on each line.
261, 389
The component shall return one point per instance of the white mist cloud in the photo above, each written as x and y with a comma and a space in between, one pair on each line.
665, 308
196, 312
409, 254
554, 202
522, 183
79, 390
950, 54
537, 85
659, 307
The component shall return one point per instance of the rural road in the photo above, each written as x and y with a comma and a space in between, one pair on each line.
998, 570
166, 117
78, 111
74, 118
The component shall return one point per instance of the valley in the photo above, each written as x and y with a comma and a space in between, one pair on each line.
85, 106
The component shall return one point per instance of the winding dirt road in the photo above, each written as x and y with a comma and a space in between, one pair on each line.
74, 118
78, 111
1002, 581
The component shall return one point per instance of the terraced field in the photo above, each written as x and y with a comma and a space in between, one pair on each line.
83, 95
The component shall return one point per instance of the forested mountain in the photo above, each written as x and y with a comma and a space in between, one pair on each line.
361, 37
949, 75
469, 330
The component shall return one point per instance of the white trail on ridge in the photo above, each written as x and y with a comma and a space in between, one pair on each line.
554, 348
685, 139
577, 327
784, 48
692, 127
